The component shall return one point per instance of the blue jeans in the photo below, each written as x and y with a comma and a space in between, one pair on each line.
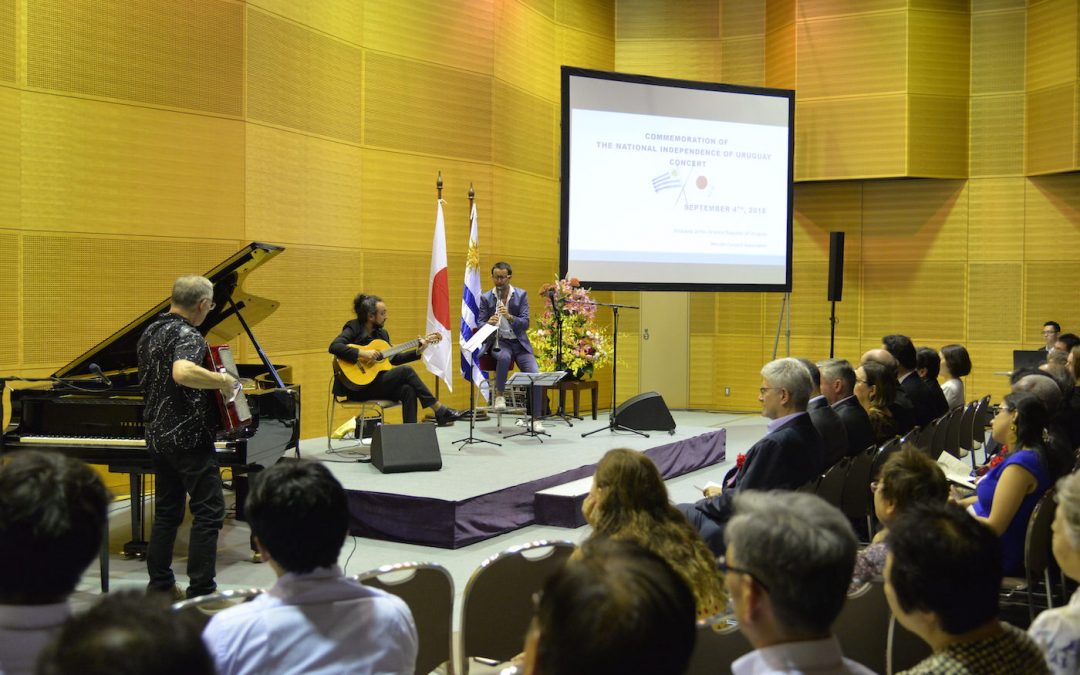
191, 474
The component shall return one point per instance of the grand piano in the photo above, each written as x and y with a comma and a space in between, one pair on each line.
92, 407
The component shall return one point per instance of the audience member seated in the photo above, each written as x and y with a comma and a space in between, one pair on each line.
838, 387
875, 389
955, 364
826, 420
902, 349
1064, 424
53, 513
1057, 631
1007, 494
790, 455
628, 500
313, 619
942, 578
1055, 358
901, 407
907, 478
618, 609
928, 367
128, 633
1066, 341
787, 566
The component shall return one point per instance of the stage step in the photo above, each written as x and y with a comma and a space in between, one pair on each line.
560, 506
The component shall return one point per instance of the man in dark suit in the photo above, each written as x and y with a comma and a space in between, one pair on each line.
790, 455
838, 386
903, 350
825, 419
928, 367
902, 408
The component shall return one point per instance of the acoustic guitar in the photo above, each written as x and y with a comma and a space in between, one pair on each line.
361, 374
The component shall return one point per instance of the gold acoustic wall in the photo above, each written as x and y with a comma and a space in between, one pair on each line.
143, 140
922, 131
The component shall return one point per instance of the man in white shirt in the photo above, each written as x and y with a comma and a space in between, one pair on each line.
52, 520
787, 567
313, 620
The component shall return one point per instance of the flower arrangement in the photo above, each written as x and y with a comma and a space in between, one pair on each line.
584, 344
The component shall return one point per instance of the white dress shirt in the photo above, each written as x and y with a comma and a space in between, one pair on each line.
1057, 631
821, 657
315, 623
24, 630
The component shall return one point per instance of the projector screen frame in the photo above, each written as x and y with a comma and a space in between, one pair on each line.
568, 72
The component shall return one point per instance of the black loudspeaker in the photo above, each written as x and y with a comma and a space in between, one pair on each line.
836, 266
645, 412
397, 448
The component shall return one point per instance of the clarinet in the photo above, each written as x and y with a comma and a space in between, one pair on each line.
495, 349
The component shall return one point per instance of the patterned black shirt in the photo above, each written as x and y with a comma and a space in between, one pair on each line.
176, 418
1012, 653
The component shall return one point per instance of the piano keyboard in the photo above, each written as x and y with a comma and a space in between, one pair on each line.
128, 442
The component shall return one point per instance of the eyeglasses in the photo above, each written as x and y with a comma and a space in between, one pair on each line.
1050, 332
721, 564
762, 390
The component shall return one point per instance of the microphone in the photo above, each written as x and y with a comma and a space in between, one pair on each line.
102, 377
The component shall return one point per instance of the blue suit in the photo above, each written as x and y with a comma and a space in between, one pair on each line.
512, 350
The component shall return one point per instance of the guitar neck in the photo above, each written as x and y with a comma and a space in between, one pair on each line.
398, 349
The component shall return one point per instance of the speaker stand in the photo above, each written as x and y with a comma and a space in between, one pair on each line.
612, 424
832, 330
472, 421
785, 314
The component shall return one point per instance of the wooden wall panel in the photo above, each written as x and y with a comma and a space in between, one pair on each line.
852, 55
744, 60
178, 54
524, 215
741, 314
997, 46
344, 20
742, 18
525, 50
995, 215
524, 130
10, 157
704, 392
545, 8
9, 57
995, 290
73, 298
301, 79
1051, 129
917, 220
300, 188
851, 137
409, 104
898, 296
813, 9
84, 170
937, 136
585, 50
1053, 218
736, 363
10, 320
667, 19
684, 59
457, 34
702, 311
780, 69
1052, 42
597, 18
997, 135
938, 53
1048, 297
988, 360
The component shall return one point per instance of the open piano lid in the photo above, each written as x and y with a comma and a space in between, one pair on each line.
118, 352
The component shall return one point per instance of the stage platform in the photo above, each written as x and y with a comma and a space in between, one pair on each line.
485, 490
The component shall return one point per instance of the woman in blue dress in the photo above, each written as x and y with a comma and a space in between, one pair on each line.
1007, 494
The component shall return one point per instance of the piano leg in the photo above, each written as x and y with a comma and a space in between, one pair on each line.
136, 548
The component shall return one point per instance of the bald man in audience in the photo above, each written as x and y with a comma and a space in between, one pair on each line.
902, 409
838, 388
790, 455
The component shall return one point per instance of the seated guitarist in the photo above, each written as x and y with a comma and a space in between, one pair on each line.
400, 383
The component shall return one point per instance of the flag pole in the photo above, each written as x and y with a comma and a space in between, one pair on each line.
438, 199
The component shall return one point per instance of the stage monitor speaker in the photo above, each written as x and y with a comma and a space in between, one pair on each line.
836, 266
645, 412
398, 448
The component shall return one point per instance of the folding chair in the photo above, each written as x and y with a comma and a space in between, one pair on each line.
905, 648
200, 607
428, 590
497, 605
966, 433
371, 409
831, 486
856, 501
863, 626
1038, 555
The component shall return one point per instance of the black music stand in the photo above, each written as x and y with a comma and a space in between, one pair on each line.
612, 424
535, 381
471, 439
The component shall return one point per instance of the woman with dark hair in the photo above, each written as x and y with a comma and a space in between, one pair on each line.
628, 501
875, 388
1007, 494
955, 363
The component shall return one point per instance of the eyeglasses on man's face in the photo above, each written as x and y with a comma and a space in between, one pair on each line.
724, 567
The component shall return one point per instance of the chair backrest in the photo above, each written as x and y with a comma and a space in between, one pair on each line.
952, 432
856, 501
1039, 537
716, 646
905, 648
863, 626
967, 421
882, 454
912, 436
428, 590
831, 486
497, 605
926, 435
202, 616
937, 443
983, 415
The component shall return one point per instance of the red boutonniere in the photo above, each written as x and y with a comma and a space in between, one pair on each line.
739, 461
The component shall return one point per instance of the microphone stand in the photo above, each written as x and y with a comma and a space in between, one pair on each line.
612, 424
556, 310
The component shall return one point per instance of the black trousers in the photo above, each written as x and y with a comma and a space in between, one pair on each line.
191, 474
400, 383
